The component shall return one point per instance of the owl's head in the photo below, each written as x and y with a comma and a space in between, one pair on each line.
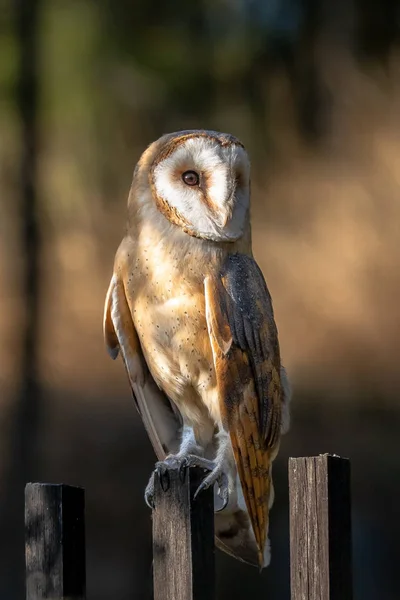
200, 181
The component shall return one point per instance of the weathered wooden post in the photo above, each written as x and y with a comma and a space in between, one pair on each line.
183, 537
55, 542
320, 528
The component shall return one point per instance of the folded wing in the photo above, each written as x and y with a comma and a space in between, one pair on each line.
161, 421
246, 354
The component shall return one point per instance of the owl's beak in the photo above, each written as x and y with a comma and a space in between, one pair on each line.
226, 217
227, 210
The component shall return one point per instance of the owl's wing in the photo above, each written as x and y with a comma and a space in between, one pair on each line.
162, 423
246, 354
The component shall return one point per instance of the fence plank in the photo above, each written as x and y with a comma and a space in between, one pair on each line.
320, 528
55, 542
183, 537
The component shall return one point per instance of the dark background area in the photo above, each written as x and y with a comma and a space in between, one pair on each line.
313, 90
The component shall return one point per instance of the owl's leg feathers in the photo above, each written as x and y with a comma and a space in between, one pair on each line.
219, 469
189, 449
189, 443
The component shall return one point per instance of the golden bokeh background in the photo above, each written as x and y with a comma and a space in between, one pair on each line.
313, 90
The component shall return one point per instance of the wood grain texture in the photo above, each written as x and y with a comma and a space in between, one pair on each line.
183, 537
54, 542
320, 528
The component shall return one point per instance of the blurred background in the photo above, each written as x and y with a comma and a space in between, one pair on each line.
313, 90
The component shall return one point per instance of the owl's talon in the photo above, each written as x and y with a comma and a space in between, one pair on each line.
161, 469
216, 475
149, 492
182, 470
224, 505
163, 475
203, 486
149, 499
219, 477
223, 491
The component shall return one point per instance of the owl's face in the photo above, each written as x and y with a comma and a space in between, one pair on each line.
200, 181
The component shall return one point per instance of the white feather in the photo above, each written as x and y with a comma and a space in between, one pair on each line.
219, 167
133, 363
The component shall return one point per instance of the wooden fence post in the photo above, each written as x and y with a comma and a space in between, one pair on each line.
183, 537
320, 528
55, 542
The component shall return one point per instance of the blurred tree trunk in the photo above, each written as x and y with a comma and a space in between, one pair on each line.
24, 423
27, 100
377, 28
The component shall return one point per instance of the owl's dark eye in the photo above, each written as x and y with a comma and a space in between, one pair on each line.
190, 178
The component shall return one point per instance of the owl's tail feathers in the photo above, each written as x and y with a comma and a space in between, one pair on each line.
254, 466
234, 535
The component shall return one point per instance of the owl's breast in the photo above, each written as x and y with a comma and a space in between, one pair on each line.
168, 309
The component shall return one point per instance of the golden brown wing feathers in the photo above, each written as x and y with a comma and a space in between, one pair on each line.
246, 355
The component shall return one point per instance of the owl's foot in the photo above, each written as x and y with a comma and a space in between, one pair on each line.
161, 469
182, 462
216, 475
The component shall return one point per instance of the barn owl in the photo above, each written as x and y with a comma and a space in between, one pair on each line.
191, 315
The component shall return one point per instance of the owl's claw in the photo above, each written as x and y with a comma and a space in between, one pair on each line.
161, 470
216, 475
219, 477
149, 492
223, 491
